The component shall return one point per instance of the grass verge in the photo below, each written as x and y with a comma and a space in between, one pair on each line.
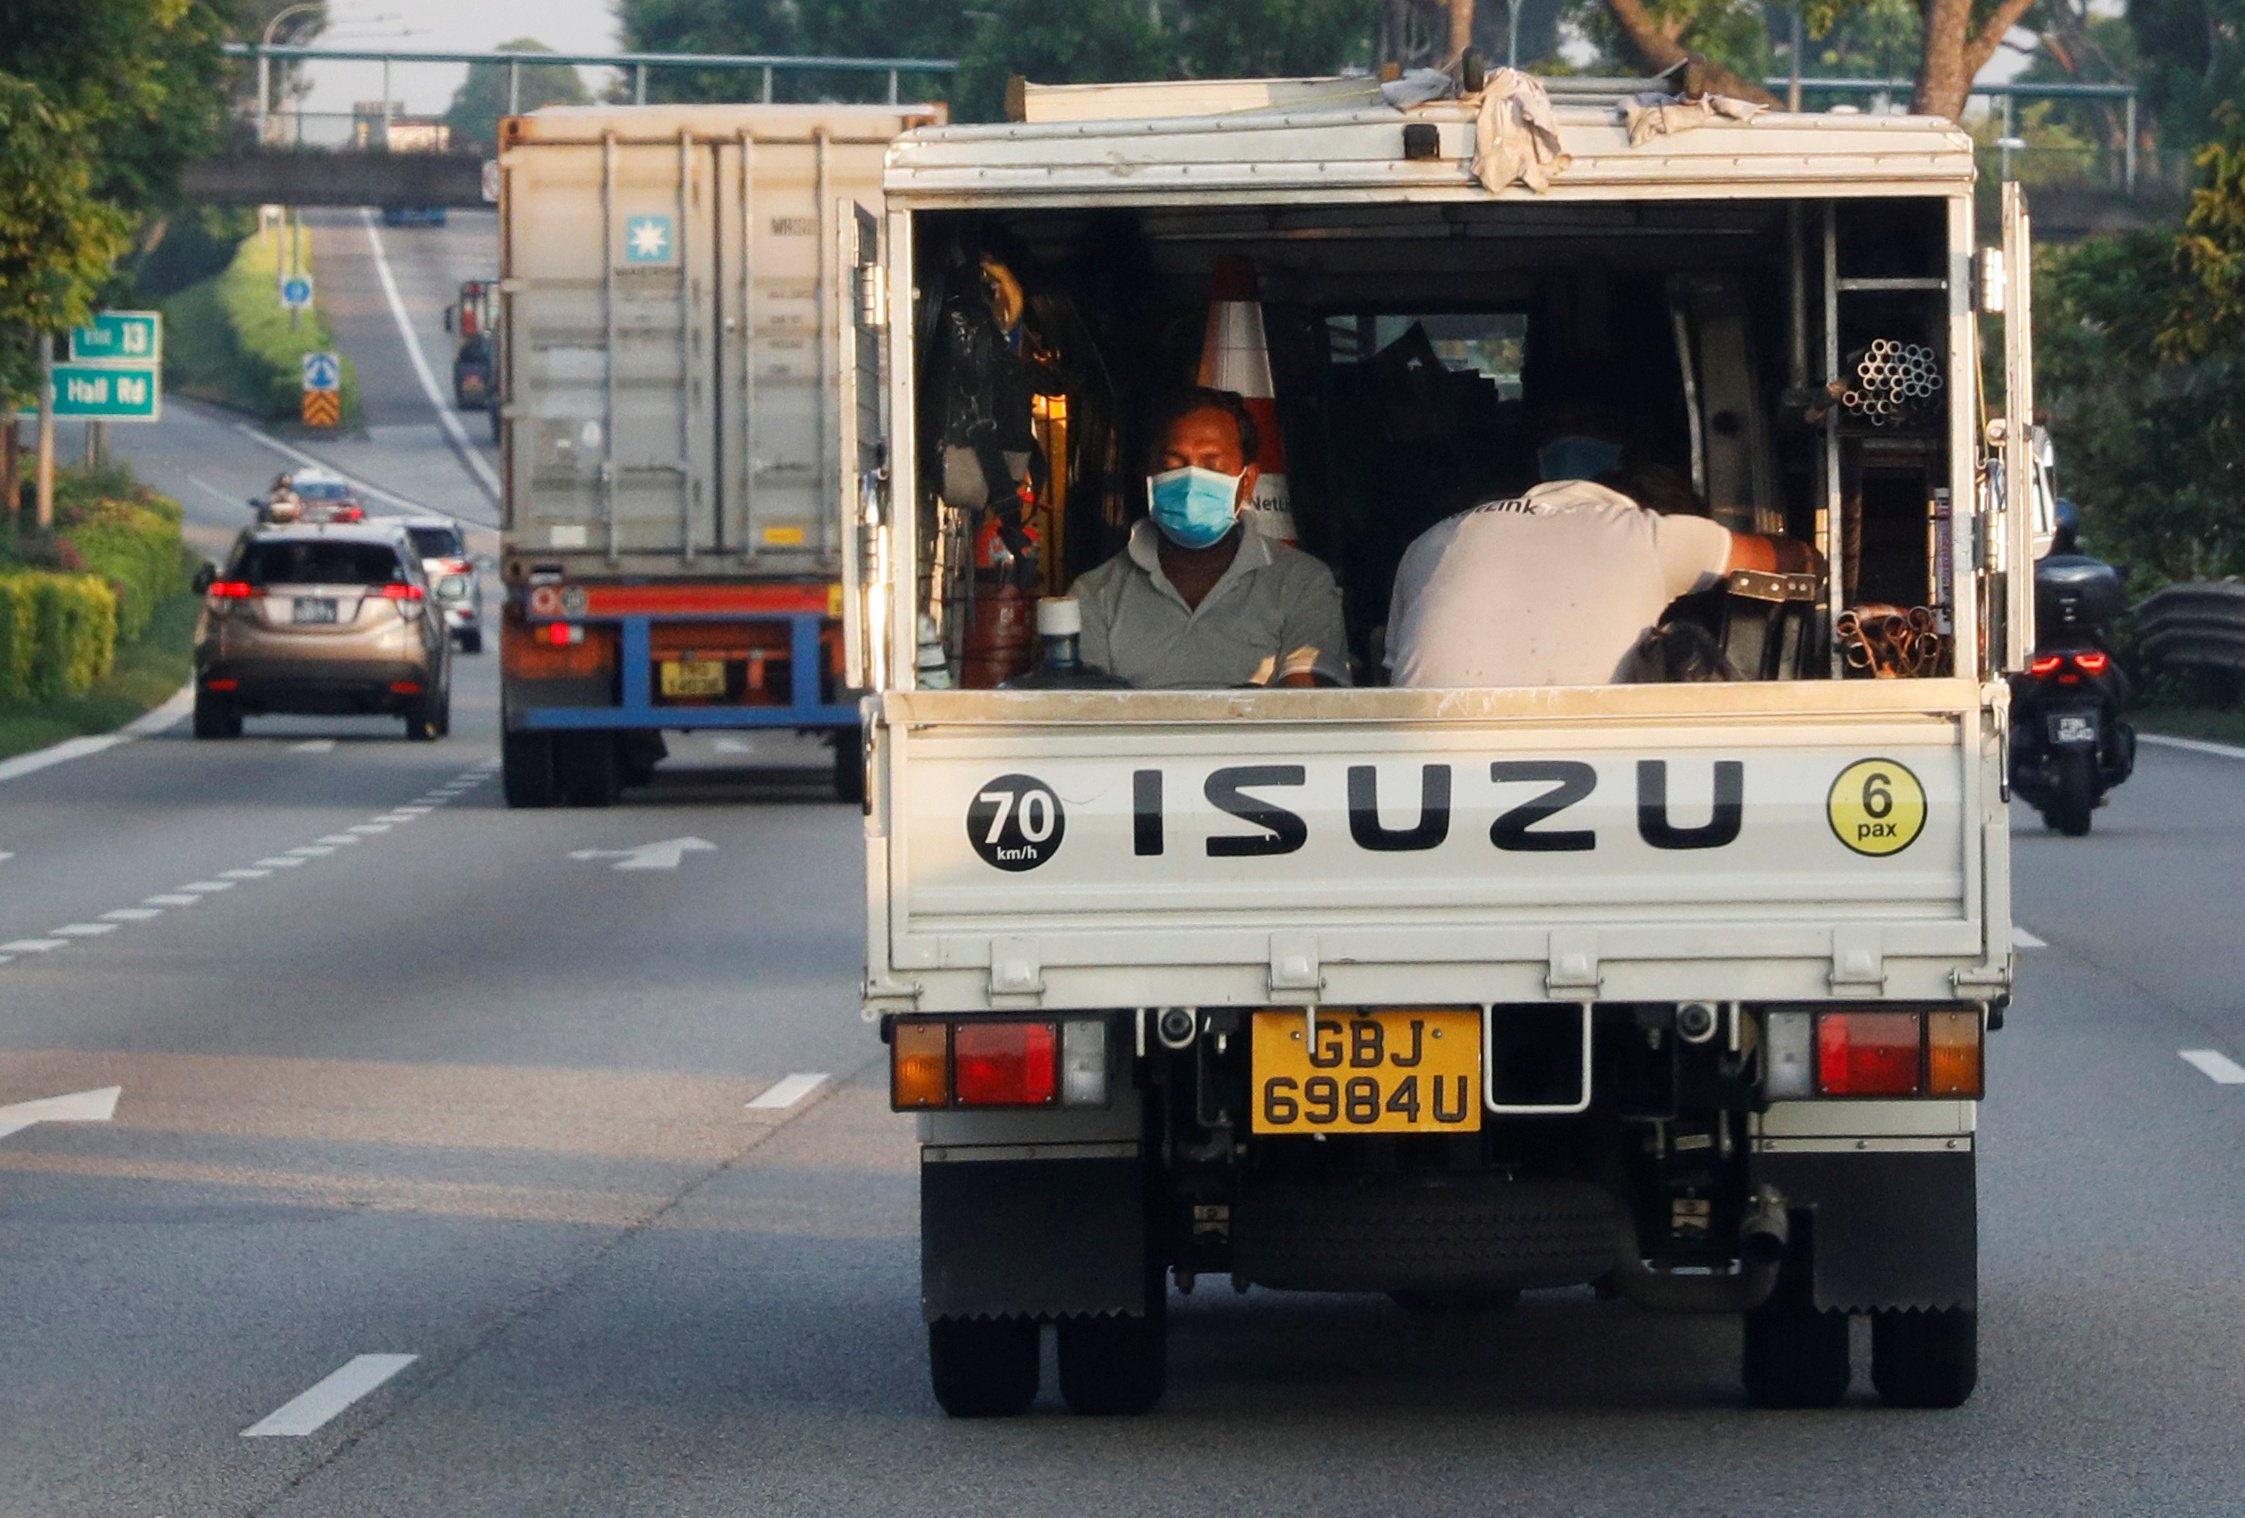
229, 340
148, 672
2215, 724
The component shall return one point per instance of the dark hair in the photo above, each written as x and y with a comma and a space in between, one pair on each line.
1205, 398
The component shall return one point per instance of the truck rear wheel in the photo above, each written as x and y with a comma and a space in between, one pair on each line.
983, 1367
1794, 1355
526, 769
1111, 1366
585, 765
1925, 1359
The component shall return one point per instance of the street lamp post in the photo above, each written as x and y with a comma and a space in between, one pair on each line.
265, 64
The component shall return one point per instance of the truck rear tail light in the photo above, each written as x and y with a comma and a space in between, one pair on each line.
1867, 1053
1952, 1055
920, 1065
1005, 1064
560, 634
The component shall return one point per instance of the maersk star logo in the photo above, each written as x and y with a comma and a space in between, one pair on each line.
647, 240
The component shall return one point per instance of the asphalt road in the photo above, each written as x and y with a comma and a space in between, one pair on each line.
401, 1074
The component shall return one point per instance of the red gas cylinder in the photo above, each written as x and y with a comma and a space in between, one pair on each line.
1000, 636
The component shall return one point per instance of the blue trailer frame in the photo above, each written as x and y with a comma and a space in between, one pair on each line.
637, 708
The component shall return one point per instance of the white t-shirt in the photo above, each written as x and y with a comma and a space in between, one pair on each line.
1554, 587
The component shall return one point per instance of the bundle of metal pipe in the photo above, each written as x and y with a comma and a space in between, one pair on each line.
1889, 383
1890, 642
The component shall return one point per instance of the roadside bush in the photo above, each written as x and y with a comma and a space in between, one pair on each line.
58, 635
133, 543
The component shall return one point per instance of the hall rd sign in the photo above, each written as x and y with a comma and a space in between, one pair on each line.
101, 393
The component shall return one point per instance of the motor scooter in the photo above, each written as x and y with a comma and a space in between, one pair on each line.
2069, 743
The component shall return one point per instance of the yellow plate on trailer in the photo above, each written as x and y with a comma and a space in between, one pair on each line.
1380, 1071
700, 677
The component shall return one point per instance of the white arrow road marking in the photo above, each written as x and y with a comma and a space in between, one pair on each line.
313, 746
666, 855
732, 746
2022, 939
310, 1411
78, 1107
790, 1090
34, 945
2218, 1068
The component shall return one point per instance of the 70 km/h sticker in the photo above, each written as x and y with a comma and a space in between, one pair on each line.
1876, 807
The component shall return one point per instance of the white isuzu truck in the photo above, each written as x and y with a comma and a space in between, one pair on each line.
1675, 989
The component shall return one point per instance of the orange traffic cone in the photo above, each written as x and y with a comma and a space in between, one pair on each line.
1235, 356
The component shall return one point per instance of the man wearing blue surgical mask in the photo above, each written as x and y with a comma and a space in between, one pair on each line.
1198, 598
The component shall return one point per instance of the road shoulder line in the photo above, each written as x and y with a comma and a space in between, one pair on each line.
146, 725
2194, 745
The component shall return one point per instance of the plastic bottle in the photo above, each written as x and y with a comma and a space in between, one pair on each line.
931, 670
1060, 626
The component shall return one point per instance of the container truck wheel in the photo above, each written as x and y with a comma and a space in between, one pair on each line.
1794, 1355
983, 1367
585, 766
526, 769
1925, 1359
1111, 1366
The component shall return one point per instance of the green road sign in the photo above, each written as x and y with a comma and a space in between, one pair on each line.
119, 337
106, 393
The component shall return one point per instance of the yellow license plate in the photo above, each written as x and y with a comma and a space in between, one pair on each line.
701, 677
1367, 1072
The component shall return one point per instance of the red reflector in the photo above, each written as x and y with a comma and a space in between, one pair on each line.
406, 687
2047, 664
1004, 1064
232, 590
1867, 1053
222, 685
2092, 664
401, 592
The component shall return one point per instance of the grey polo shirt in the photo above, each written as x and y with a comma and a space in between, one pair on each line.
1276, 611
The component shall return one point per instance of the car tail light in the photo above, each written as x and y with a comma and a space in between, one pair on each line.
231, 590
920, 1065
2045, 665
2092, 664
222, 683
1952, 1055
1867, 1053
402, 592
1005, 1064
453, 566
405, 687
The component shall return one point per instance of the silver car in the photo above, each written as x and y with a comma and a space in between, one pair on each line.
453, 576
323, 620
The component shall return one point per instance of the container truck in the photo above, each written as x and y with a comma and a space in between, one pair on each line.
1675, 990
671, 548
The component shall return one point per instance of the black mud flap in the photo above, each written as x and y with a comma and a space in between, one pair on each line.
1032, 1238
1893, 1231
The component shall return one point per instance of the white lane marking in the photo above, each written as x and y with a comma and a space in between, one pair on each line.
216, 494
310, 1411
313, 746
412, 811
243, 874
97, 1106
439, 402
2022, 939
172, 899
791, 1089
2193, 745
85, 929
35, 945
279, 862
131, 914
666, 855
363, 487
5, 856
7, 959
370, 827
2218, 1068
162, 718
337, 838
313, 850
207, 886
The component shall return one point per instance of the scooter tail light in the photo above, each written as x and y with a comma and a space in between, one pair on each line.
2045, 665
2092, 664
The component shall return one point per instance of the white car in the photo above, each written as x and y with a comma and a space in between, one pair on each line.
454, 576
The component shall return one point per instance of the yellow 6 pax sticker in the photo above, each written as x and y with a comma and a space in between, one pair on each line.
1876, 807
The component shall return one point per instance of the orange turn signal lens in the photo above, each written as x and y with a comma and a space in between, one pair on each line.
1952, 1055
919, 1065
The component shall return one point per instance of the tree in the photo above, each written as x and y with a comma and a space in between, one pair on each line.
483, 97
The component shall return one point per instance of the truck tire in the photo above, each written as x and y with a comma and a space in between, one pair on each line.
1792, 1354
2073, 795
526, 770
639, 754
471, 641
585, 766
849, 766
1925, 1359
1116, 1366
983, 1367
216, 717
